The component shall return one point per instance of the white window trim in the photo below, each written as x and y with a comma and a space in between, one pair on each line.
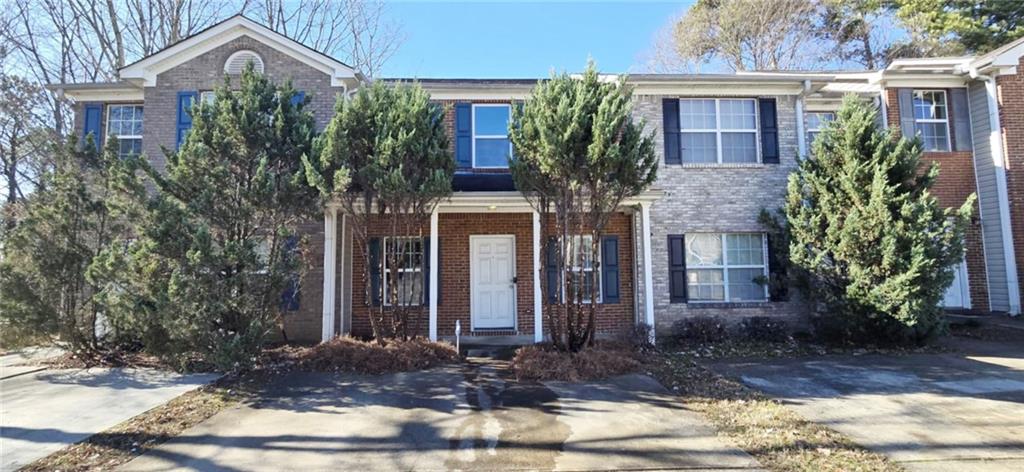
719, 130
816, 131
121, 137
385, 272
207, 93
725, 266
945, 102
474, 136
597, 277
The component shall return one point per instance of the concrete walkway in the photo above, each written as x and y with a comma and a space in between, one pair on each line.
44, 411
957, 412
468, 418
23, 361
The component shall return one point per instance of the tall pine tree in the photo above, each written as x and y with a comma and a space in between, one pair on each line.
217, 251
877, 248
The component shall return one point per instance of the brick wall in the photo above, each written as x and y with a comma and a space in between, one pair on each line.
956, 182
206, 72
455, 230
1011, 116
715, 198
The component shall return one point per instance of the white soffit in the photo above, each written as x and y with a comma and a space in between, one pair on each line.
148, 68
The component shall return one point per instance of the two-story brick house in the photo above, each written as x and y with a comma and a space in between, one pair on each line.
690, 246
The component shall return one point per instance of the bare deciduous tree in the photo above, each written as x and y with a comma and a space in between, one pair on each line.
356, 31
741, 35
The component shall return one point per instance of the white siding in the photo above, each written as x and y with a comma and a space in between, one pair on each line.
988, 200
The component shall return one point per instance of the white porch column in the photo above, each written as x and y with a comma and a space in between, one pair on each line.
330, 271
433, 275
645, 216
342, 313
538, 298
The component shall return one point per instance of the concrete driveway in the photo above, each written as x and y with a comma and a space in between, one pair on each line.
930, 412
469, 418
44, 411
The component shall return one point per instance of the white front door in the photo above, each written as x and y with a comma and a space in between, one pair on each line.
958, 294
492, 289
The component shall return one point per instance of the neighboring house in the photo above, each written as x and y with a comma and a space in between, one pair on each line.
690, 246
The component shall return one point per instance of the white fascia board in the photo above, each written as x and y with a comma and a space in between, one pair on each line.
932, 81
510, 202
720, 89
471, 94
148, 69
113, 94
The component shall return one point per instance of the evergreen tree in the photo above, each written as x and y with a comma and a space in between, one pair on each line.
217, 250
49, 282
877, 249
578, 155
384, 158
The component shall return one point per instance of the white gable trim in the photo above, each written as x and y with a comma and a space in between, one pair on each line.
148, 68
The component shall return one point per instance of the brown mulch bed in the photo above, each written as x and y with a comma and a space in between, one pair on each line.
779, 438
606, 359
347, 354
133, 437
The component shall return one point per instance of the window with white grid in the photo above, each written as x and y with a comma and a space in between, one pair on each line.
722, 130
726, 267
931, 119
580, 262
125, 123
408, 252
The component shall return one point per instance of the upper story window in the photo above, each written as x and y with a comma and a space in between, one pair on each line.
718, 131
931, 119
726, 267
816, 121
236, 62
125, 123
491, 146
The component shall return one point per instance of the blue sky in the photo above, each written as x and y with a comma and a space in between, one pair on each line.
522, 39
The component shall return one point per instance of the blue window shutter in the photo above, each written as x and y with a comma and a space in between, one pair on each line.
375, 260
92, 123
426, 271
769, 131
610, 269
905, 98
184, 123
677, 268
670, 120
463, 135
551, 272
961, 119
298, 98
290, 297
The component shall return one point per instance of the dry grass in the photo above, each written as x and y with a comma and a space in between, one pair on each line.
346, 354
543, 362
133, 437
776, 436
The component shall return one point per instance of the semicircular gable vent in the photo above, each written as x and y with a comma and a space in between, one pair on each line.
237, 61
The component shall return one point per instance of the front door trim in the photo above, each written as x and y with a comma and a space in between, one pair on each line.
472, 289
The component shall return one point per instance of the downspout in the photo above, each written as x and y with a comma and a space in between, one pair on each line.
883, 105
801, 136
999, 163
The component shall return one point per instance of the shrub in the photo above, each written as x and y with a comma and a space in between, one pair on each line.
877, 248
605, 359
763, 329
346, 354
636, 336
699, 329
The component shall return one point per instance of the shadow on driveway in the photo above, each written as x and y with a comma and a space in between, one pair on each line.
472, 418
45, 411
959, 411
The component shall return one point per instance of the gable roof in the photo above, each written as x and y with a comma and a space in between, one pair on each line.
147, 68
